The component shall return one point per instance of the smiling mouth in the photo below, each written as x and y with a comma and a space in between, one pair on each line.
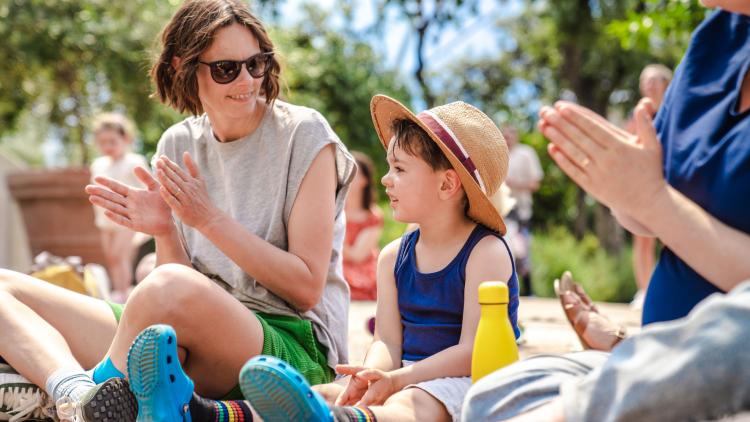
240, 97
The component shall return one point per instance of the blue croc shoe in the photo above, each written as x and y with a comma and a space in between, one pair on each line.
279, 393
156, 378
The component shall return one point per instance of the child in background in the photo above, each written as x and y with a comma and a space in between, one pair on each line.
113, 136
446, 166
364, 225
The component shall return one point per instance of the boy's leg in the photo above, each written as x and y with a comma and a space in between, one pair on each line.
412, 404
277, 391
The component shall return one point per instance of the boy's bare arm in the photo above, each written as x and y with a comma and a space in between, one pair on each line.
489, 261
385, 351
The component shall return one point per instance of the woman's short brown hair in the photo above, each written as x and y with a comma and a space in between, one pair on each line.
188, 34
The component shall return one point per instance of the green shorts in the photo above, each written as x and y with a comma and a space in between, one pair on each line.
289, 338
116, 309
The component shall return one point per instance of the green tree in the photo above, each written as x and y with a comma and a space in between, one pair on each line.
66, 60
69, 59
337, 74
425, 19
587, 51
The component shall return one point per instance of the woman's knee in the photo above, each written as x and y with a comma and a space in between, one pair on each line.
168, 291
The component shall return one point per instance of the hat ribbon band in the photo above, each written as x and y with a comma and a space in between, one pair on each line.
436, 125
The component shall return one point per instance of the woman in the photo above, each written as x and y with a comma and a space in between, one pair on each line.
685, 179
246, 211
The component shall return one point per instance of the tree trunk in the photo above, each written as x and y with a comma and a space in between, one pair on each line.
427, 95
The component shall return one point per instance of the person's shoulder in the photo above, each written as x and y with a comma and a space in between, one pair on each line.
490, 252
389, 253
189, 128
300, 117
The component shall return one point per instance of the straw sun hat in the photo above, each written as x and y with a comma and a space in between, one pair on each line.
469, 139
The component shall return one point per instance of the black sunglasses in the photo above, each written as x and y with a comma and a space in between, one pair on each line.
225, 71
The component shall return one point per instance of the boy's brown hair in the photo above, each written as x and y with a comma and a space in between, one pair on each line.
413, 140
190, 32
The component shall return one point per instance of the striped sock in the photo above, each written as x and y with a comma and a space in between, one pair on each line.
206, 410
353, 414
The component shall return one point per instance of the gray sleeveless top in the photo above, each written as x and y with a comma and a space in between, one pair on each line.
255, 180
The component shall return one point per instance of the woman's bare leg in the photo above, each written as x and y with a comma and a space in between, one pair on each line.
218, 333
44, 327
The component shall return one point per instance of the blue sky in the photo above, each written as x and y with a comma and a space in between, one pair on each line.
473, 36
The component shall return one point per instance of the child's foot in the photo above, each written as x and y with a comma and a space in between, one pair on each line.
161, 387
279, 393
110, 401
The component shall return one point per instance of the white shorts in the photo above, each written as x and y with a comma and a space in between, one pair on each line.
449, 391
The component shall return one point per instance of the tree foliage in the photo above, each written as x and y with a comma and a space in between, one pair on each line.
337, 74
66, 60
69, 59
425, 18
587, 51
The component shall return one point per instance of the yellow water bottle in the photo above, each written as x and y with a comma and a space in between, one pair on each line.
495, 342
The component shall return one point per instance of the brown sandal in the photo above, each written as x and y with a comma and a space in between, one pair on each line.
593, 329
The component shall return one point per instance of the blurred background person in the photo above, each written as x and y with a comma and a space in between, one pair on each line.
653, 83
364, 225
524, 176
113, 136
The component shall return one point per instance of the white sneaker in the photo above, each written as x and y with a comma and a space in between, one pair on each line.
20, 399
111, 401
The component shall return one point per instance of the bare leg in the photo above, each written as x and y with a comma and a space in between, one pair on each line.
218, 333
44, 328
118, 250
411, 404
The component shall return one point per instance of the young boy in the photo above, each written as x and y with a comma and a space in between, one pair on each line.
444, 166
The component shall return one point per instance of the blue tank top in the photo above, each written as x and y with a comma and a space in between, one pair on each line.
431, 305
706, 151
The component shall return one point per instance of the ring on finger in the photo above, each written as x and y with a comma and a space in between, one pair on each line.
585, 162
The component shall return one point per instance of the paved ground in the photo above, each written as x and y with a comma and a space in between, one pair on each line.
545, 328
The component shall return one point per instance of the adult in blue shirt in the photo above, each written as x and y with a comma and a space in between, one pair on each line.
704, 129
692, 191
